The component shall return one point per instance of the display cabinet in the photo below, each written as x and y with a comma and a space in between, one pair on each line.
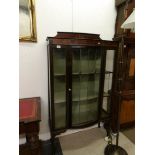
76, 77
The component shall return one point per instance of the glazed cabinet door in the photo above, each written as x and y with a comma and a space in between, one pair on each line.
57, 87
86, 68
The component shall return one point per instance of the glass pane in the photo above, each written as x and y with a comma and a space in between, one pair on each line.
59, 61
76, 88
80, 112
84, 60
60, 115
92, 61
59, 66
75, 112
83, 87
84, 111
108, 80
98, 61
76, 61
109, 60
59, 89
106, 103
97, 78
93, 109
91, 87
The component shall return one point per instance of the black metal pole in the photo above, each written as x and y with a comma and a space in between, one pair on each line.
110, 148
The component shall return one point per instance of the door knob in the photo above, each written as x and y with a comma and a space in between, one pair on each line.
69, 89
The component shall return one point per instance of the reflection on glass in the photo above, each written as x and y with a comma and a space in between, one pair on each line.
91, 87
59, 89
60, 115
84, 60
108, 80
93, 109
76, 88
98, 61
83, 87
75, 112
92, 61
109, 60
59, 61
84, 111
59, 66
24, 18
76, 61
97, 78
27, 21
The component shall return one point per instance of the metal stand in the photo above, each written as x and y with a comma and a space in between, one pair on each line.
112, 149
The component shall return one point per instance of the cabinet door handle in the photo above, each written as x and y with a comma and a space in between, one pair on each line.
69, 89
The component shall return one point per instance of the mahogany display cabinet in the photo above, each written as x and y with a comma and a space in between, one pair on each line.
78, 64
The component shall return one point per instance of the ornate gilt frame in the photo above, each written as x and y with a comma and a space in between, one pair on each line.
32, 37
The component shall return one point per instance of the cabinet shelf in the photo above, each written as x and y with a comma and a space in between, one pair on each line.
85, 99
77, 74
55, 75
91, 73
59, 101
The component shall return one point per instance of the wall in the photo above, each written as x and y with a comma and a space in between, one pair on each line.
89, 16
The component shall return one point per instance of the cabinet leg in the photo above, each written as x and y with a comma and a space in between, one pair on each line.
33, 143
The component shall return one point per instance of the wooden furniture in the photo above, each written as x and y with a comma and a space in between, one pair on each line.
123, 90
124, 84
124, 9
29, 118
76, 73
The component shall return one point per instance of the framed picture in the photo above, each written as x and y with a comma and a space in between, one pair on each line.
27, 21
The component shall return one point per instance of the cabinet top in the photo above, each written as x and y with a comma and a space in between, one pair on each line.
80, 39
75, 35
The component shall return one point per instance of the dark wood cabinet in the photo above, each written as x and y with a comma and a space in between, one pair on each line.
123, 96
76, 77
123, 100
124, 9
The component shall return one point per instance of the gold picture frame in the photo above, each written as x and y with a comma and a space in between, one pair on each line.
27, 21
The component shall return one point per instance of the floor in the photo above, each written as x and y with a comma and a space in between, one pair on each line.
89, 142
130, 134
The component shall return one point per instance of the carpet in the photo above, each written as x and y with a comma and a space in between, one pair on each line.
91, 142
130, 134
